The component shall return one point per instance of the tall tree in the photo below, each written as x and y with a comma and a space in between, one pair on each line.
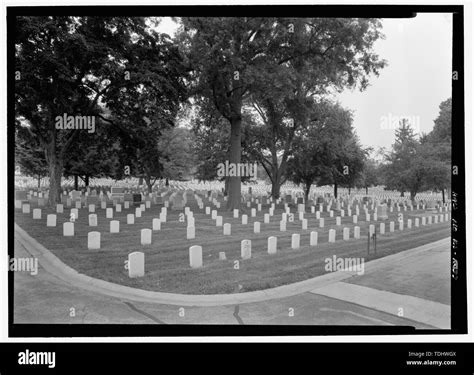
328, 151
67, 65
402, 172
309, 58
226, 54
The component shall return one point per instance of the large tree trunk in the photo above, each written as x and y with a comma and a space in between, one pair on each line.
275, 190
226, 186
366, 190
306, 191
55, 173
167, 183
442, 191
39, 181
335, 190
86, 180
233, 201
149, 184
76, 182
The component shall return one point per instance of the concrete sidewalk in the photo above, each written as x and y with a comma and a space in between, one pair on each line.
55, 266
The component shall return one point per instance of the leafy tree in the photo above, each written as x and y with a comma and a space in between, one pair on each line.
29, 156
402, 172
212, 145
309, 58
436, 147
176, 153
71, 65
369, 176
328, 152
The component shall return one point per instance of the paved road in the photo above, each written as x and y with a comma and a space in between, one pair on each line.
45, 298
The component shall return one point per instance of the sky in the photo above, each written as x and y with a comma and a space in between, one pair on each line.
415, 81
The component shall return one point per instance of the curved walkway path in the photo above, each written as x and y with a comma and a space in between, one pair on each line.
331, 296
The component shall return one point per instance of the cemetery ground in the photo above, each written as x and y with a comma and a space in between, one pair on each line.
47, 299
167, 267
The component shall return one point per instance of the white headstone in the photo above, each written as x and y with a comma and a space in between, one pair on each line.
354, 219
130, 219
371, 229
392, 226
409, 224
266, 218
78, 204
37, 213
345, 234
331, 213
417, 222
272, 245
59, 208
190, 233
295, 241
318, 215
163, 217
282, 226
332, 235
313, 239
51, 220
156, 224
356, 232
145, 237
208, 210
218, 221
227, 229
93, 240
103, 205
126, 205
256, 227
246, 249
400, 225
321, 223
114, 226
109, 213
138, 212
92, 220
338, 220
136, 264
68, 229
382, 228
253, 212
195, 256
423, 220
304, 224
118, 207
244, 219
236, 213
190, 221
222, 255
214, 214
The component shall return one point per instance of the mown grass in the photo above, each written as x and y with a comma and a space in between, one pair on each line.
167, 259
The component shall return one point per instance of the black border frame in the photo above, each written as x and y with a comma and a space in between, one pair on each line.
458, 283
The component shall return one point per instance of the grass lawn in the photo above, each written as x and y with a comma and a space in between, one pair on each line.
167, 259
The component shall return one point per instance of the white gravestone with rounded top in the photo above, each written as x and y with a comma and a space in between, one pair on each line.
195, 256
246, 249
136, 264
93, 240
